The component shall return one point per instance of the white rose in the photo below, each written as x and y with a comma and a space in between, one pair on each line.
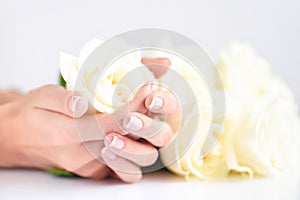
263, 140
192, 163
242, 70
262, 127
116, 84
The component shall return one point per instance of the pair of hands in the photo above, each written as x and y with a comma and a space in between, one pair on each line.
40, 130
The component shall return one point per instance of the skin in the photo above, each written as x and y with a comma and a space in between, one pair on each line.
37, 130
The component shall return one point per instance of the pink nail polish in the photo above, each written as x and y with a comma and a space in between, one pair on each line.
156, 103
78, 104
117, 142
73, 102
134, 123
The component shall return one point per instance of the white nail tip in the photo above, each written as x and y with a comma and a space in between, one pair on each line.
75, 100
134, 124
79, 105
156, 103
117, 142
114, 140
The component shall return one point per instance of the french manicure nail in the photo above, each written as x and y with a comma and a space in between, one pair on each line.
156, 103
134, 124
78, 104
108, 154
117, 142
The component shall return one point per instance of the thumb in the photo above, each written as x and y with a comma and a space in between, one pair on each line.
57, 99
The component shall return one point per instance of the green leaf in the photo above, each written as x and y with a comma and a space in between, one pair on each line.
62, 81
60, 172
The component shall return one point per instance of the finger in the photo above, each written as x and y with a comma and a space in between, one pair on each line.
162, 102
137, 104
159, 66
142, 154
156, 132
58, 99
124, 169
165, 104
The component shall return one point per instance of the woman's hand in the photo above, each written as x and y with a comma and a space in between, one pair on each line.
47, 129
6, 97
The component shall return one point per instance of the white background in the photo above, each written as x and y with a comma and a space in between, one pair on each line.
33, 32
36, 185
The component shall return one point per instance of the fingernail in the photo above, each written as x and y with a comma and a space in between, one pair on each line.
78, 104
156, 103
133, 123
108, 154
117, 142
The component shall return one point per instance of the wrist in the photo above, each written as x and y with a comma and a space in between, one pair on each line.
6, 97
13, 152
6, 140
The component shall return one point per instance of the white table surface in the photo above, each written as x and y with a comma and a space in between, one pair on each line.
30, 184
